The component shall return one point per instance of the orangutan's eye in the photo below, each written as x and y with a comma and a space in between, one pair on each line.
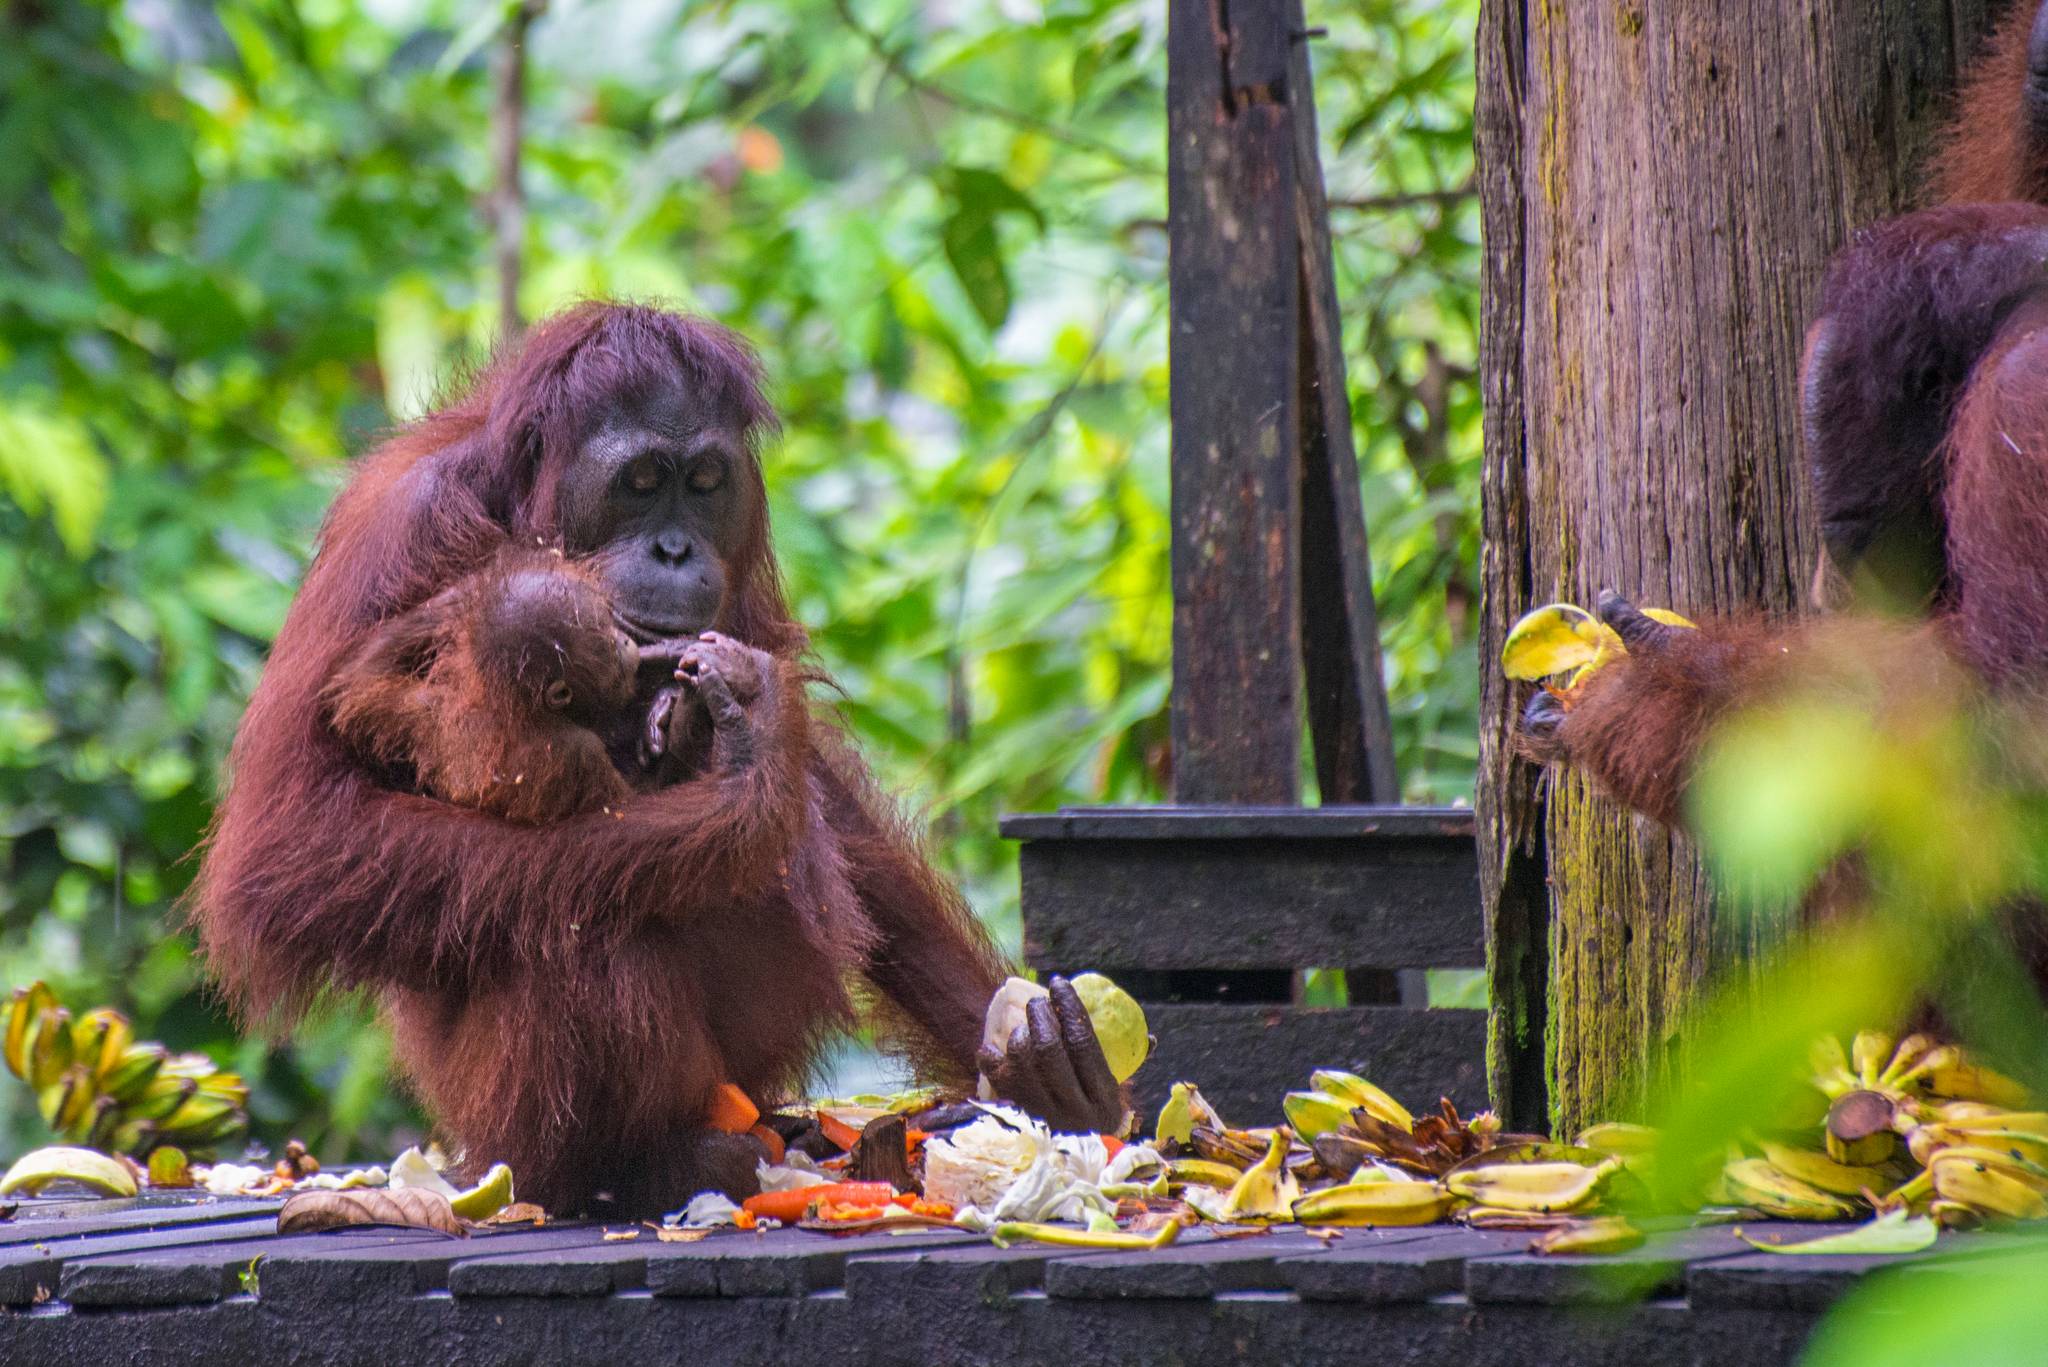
706, 476
644, 475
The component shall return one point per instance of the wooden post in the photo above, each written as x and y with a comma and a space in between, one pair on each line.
1271, 574
1662, 186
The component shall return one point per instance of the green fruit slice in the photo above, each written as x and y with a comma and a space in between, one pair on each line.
1119, 1023
37, 1169
487, 1197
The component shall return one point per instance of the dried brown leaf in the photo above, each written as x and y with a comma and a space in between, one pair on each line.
519, 1213
410, 1207
670, 1235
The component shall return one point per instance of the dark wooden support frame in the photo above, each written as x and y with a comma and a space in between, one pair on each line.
1211, 911
1272, 579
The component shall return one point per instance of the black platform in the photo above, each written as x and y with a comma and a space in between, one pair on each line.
91, 1284
1207, 914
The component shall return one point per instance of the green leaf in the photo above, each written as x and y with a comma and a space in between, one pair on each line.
48, 459
976, 256
1895, 1231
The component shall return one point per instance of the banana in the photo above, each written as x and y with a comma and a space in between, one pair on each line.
1374, 1203
1859, 1129
132, 1073
1355, 1091
49, 1054
1755, 1182
196, 1112
35, 1170
1916, 1059
1987, 1189
27, 1005
1267, 1190
161, 1097
1925, 1141
106, 1117
63, 1101
1200, 1172
1618, 1138
1609, 1234
1962, 1081
1869, 1053
228, 1085
101, 1036
2019, 1169
1819, 1170
1226, 1146
1540, 1187
1314, 1113
1184, 1109
132, 1136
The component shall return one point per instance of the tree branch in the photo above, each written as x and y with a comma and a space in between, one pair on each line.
508, 196
974, 104
1379, 204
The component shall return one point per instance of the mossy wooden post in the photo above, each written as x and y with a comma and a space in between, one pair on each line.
1662, 184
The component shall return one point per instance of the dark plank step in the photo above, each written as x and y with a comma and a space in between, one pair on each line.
1655, 1269
41, 1221
1156, 889
1806, 1282
207, 1272
778, 1263
1245, 1057
979, 1272
1395, 1266
1195, 1268
584, 1270
30, 1272
314, 1272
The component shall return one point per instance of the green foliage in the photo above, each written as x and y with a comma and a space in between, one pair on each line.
1938, 794
238, 239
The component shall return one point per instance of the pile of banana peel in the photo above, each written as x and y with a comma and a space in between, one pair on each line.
1909, 1136
1902, 1136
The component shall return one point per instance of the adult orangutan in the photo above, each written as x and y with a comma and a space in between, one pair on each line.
1924, 393
568, 996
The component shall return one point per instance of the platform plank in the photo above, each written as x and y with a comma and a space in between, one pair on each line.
1193, 1268
1657, 1268
314, 1271
1405, 896
777, 1263
32, 1272
41, 1221
1237, 1051
1392, 1267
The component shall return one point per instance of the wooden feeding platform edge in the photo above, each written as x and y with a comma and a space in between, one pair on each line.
210, 1281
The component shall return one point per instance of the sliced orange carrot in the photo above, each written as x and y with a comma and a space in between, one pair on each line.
770, 1141
789, 1206
838, 1131
1111, 1144
731, 1111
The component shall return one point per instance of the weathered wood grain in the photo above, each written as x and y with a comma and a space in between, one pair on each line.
1662, 186
1244, 1057
1233, 394
1365, 887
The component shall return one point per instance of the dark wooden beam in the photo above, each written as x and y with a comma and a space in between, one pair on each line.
1234, 280
1346, 685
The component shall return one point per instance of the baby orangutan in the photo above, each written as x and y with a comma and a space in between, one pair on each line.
502, 691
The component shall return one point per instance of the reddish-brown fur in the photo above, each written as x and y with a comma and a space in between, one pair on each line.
566, 995
487, 694
1925, 390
